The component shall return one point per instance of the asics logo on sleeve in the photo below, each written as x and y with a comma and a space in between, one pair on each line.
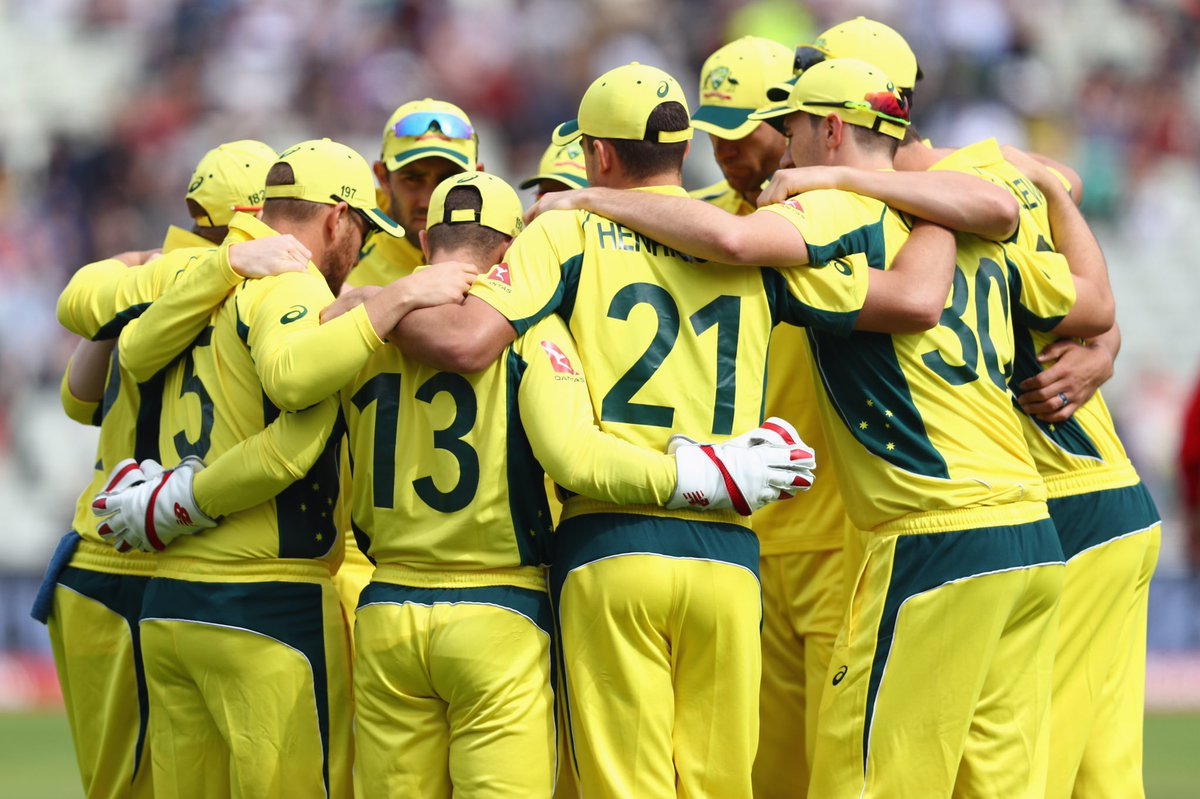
294, 313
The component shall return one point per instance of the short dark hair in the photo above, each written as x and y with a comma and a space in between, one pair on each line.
474, 238
647, 158
870, 140
215, 234
288, 208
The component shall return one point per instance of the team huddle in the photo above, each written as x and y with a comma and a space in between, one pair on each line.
403, 490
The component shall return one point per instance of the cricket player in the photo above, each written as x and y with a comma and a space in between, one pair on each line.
1107, 522
252, 596
424, 142
658, 610
561, 168
92, 596
963, 569
453, 673
801, 567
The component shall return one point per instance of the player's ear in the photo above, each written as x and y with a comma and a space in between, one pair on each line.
603, 155
333, 220
423, 237
832, 130
381, 173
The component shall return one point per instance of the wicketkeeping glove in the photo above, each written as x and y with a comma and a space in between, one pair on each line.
745, 473
146, 508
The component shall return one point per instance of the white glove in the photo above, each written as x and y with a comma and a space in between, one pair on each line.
745, 473
146, 508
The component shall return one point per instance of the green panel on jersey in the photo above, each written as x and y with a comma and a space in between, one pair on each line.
570, 281
114, 327
526, 488
867, 239
870, 393
1069, 436
304, 510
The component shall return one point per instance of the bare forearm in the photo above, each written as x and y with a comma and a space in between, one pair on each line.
701, 229
454, 338
1075, 241
951, 199
89, 369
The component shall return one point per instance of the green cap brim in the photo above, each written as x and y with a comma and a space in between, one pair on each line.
572, 181
566, 133
416, 154
724, 122
383, 222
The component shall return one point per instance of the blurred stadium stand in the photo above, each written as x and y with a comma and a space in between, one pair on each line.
109, 103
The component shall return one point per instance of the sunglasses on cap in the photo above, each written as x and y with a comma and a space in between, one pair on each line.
807, 57
418, 124
884, 105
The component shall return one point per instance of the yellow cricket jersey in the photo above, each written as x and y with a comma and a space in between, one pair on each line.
817, 521
1084, 453
383, 260
669, 344
262, 351
926, 436
177, 238
451, 484
99, 302
725, 197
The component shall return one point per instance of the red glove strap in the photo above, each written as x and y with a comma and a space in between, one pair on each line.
735, 494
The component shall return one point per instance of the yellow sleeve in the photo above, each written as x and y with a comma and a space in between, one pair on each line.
556, 412
77, 410
528, 285
93, 299
172, 322
102, 297
299, 360
261, 466
1043, 289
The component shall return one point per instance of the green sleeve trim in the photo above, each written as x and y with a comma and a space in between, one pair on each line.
113, 328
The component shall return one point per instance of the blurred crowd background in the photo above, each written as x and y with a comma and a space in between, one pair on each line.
106, 105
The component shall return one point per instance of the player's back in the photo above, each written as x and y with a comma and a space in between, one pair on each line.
445, 481
670, 344
1082, 453
214, 399
923, 423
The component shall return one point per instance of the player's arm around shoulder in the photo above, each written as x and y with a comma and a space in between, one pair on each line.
908, 296
556, 412
689, 225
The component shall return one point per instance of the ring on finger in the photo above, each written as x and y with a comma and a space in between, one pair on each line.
1065, 400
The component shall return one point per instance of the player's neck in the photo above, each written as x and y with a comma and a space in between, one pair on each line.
463, 254
621, 181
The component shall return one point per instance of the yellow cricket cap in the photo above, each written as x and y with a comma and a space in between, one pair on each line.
330, 173
429, 129
230, 178
864, 39
501, 208
734, 82
618, 105
854, 90
561, 162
